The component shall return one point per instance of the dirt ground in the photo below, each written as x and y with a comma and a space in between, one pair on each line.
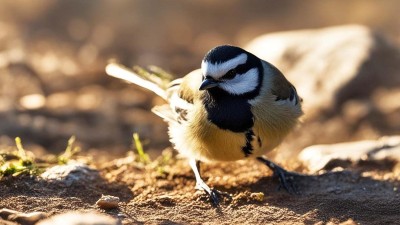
363, 194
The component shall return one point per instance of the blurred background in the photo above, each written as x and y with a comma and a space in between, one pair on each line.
53, 54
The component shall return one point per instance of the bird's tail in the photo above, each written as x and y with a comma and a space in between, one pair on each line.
156, 81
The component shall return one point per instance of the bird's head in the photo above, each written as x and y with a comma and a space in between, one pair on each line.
231, 69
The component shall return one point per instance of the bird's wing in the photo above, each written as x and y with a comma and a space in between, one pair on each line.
283, 89
181, 95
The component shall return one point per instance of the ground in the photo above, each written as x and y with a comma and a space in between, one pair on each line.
365, 194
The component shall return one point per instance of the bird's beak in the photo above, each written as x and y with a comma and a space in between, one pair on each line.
208, 83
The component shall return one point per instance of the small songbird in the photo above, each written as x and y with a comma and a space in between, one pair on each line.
236, 106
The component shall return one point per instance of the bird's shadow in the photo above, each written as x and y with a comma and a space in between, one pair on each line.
341, 195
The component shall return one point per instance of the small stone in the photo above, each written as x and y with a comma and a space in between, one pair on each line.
27, 218
4, 212
70, 173
108, 202
22, 218
79, 218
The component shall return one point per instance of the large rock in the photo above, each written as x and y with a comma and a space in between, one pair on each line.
318, 157
348, 76
331, 65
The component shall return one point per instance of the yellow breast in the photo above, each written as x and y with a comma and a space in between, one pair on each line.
204, 140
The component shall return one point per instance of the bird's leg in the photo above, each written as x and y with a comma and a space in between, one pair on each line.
286, 179
201, 185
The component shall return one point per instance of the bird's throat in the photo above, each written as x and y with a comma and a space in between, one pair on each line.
228, 112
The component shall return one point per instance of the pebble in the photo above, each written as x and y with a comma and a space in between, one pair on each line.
108, 202
22, 218
73, 172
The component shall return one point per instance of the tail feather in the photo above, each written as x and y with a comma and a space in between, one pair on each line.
124, 73
165, 112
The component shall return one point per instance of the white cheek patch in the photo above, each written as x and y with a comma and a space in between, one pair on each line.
218, 70
241, 84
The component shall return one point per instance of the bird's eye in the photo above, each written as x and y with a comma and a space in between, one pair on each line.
230, 74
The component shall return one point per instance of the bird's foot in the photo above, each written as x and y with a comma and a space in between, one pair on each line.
201, 185
214, 194
286, 178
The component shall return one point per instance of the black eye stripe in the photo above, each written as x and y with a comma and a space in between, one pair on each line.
230, 74
241, 69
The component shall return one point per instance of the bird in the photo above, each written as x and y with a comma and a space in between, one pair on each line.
235, 106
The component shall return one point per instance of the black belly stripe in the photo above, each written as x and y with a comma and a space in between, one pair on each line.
248, 148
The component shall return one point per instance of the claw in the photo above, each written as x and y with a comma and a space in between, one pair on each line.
214, 197
286, 179
214, 194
